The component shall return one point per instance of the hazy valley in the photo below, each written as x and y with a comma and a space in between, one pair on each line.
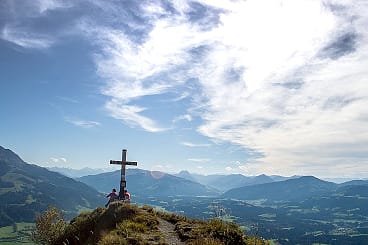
288, 210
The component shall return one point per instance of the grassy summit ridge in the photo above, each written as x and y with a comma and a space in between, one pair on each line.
128, 224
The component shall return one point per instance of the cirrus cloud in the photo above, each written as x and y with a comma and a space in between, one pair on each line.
83, 123
268, 77
260, 74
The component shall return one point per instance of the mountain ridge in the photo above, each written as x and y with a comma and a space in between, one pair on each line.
290, 190
148, 183
27, 189
76, 173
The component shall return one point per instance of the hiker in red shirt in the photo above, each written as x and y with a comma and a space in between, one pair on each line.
113, 196
127, 196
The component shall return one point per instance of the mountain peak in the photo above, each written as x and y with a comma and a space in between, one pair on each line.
9, 156
262, 175
291, 190
310, 178
184, 172
31, 189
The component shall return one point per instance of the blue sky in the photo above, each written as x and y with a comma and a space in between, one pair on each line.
251, 87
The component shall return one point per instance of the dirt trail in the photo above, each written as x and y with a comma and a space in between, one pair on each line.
169, 233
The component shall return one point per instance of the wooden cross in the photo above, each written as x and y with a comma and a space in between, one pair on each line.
123, 164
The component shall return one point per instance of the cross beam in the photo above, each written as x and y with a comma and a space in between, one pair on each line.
123, 164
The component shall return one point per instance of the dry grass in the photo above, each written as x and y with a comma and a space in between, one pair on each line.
123, 223
213, 232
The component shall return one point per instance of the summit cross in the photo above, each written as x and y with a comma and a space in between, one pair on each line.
123, 164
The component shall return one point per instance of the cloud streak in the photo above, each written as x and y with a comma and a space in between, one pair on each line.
58, 160
83, 123
199, 160
19, 27
274, 80
318, 122
260, 74
189, 144
25, 39
130, 115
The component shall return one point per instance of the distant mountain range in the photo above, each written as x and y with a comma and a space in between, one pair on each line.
76, 173
299, 189
286, 206
145, 183
27, 189
226, 182
288, 190
292, 210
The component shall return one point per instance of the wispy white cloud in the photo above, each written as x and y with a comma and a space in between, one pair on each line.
181, 97
47, 5
58, 160
53, 159
25, 39
268, 77
130, 115
198, 159
296, 108
18, 27
134, 70
189, 144
185, 117
82, 123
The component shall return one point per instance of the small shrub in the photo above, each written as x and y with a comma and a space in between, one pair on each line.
130, 227
50, 225
147, 219
229, 233
148, 208
188, 231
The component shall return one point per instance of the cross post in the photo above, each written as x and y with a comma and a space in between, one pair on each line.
123, 164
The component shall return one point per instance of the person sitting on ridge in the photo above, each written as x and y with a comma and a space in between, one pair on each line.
126, 196
112, 197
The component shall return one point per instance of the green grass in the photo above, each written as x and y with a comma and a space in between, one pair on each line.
319, 221
24, 242
7, 231
228, 218
123, 223
21, 236
314, 233
267, 216
81, 209
345, 221
213, 232
273, 242
245, 228
258, 202
30, 199
357, 235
